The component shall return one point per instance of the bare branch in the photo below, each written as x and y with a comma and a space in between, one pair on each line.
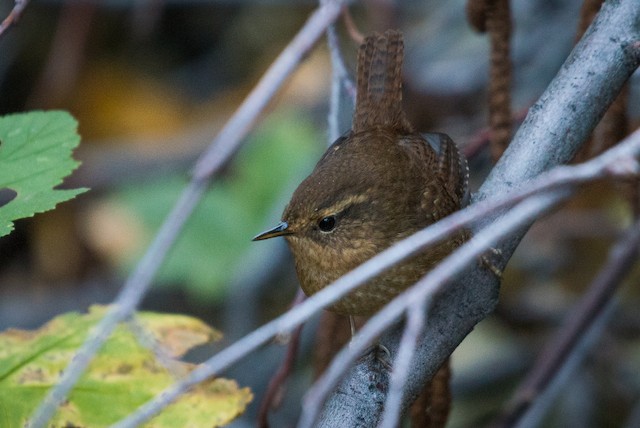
343, 90
231, 136
401, 365
622, 258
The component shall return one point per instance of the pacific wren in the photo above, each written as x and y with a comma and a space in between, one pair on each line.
380, 182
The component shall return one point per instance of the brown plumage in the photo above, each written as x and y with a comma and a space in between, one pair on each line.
377, 184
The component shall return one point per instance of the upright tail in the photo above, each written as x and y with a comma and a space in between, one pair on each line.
379, 97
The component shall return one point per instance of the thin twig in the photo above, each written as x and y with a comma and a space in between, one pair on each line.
66, 55
231, 136
14, 15
222, 148
355, 34
482, 137
616, 161
175, 368
622, 258
476, 11
333, 118
338, 63
416, 315
340, 82
588, 11
337, 78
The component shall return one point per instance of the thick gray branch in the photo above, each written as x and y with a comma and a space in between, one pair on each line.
553, 131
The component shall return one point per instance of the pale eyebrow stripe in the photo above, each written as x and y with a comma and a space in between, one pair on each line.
344, 203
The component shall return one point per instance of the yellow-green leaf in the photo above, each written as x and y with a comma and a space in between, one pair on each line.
123, 376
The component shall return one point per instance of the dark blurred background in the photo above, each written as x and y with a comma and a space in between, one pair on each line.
151, 82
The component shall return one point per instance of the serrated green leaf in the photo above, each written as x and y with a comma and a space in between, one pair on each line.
122, 376
35, 155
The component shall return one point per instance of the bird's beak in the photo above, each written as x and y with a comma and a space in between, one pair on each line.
280, 230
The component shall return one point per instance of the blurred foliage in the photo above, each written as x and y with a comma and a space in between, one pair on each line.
209, 251
123, 375
115, 100
35, 155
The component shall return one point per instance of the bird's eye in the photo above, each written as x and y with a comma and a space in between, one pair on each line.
327, 224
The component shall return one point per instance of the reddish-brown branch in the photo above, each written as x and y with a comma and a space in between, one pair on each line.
333, 333
66, 56
588, 11
494, 17
482, 138
275, 390
352, 29
499, 29
476, 14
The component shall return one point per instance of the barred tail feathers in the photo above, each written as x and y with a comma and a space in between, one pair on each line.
379, 86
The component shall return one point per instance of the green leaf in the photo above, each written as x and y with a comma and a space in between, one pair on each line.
123, 375
35, 155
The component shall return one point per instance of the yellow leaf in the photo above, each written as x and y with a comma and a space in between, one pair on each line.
122, 376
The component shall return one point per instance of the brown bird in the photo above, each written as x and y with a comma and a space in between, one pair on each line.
380, 182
